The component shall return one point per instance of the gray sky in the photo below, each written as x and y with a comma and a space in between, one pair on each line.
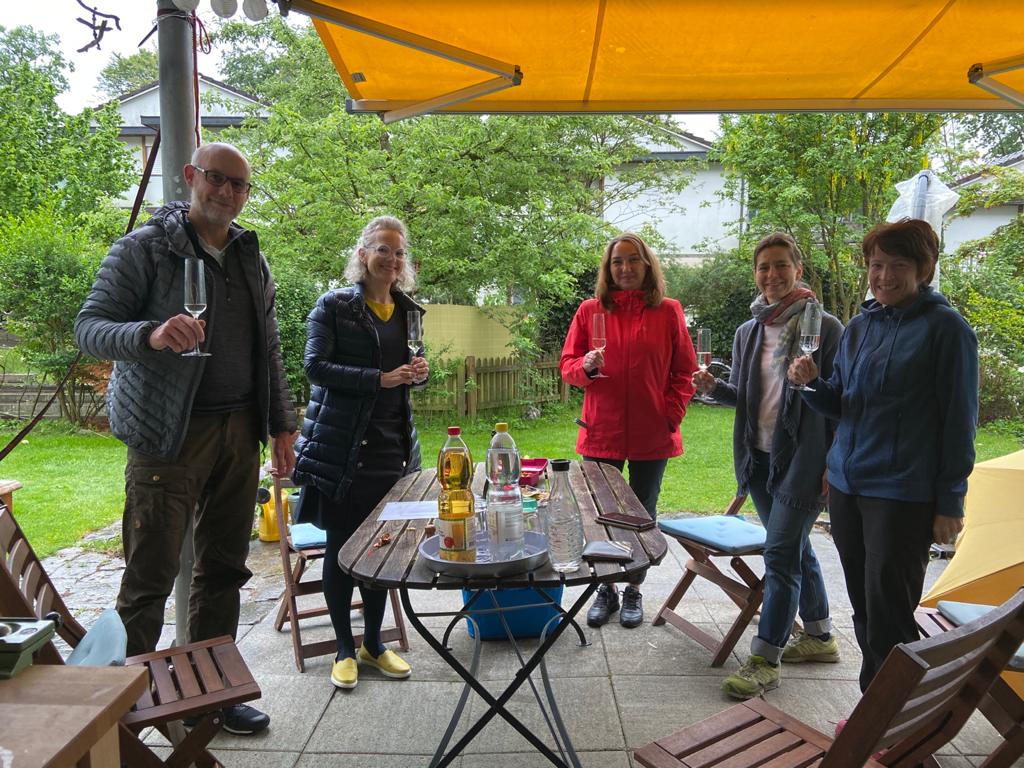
60, 18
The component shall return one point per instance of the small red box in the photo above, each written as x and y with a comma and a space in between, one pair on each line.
531, 471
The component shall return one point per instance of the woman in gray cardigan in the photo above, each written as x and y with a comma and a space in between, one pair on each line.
779, 449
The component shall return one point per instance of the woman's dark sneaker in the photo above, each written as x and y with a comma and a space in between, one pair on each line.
605, 604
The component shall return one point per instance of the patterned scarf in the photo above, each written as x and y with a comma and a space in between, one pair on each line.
786, 311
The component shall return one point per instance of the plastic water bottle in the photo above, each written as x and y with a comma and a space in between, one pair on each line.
565, 525
504, 501
456, 519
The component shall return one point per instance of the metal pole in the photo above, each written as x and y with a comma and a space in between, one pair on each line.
920, 193
177, 143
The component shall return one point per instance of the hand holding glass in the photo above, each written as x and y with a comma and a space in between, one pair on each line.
598, 339
703, 348
195, 296
810, 333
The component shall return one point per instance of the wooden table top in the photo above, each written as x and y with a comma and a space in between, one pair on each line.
51, 714
598, 488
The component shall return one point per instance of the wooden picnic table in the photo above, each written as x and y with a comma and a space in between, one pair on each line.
598, 488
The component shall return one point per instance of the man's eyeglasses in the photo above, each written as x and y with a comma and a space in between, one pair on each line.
218, 179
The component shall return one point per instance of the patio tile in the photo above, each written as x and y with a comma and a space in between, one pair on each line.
346, 760
587, 707
652, 706
239, 758
978, 737
414, 713
663, 650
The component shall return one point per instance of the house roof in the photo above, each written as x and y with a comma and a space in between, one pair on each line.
1005, 161
155, 84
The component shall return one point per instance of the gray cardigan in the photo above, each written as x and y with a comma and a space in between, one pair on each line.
802, 437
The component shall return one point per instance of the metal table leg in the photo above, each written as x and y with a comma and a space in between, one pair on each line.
496, 705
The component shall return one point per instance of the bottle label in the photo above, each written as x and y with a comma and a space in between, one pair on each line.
457, 535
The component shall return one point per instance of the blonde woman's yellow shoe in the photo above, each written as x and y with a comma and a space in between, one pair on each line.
345, 673
389, 663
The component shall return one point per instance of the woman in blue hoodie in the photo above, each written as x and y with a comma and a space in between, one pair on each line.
904, 388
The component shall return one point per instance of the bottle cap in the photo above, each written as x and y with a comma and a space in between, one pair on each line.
560, 465
501, 426
454, 431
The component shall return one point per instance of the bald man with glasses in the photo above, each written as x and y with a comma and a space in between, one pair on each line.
193, 424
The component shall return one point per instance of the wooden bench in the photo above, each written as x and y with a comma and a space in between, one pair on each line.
920, 699
7, 489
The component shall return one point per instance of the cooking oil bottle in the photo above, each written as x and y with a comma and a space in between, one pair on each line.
456, 516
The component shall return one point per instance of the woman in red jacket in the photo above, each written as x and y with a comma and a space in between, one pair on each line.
635, 389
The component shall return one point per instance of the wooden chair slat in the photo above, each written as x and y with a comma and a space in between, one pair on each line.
700, 735
654, 756
733, 744
804, 756
186, 678
778, 746
209, 676
164, 689
16, 560
232, 667
7, 530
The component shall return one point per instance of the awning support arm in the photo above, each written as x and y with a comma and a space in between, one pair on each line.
983, 76
508, 75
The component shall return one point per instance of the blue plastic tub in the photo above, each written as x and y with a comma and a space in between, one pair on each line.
526, 622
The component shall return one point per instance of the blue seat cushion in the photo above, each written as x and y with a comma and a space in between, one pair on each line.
104, 645
726, 533
963, 613
307, 536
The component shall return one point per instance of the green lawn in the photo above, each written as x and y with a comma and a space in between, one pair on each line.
74, 480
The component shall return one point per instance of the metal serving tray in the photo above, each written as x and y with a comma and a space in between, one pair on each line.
536, 554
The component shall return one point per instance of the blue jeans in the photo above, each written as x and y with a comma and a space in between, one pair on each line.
793, 579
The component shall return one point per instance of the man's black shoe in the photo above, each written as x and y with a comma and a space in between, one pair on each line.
240, 719
632, 613
245, 720
605, 604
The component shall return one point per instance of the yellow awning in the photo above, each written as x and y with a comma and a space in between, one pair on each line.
406, 57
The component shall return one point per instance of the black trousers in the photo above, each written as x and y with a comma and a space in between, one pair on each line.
218, 470
883, 545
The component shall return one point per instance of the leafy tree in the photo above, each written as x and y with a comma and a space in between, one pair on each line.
825, 179
46, 155
984, 279
48, 263
998, 133
127, 73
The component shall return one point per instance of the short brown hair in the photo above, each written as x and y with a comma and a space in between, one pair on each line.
910, 238
780, 240
654, 279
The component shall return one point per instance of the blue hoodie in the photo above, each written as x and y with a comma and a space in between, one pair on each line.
904, 389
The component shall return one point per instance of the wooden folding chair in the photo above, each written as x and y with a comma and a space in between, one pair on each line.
705, 538
306, 553
1001, 706
195, 680
920, 699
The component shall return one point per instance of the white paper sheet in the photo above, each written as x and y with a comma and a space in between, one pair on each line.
408, 510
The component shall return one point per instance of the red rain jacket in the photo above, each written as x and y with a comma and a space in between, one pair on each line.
649, 361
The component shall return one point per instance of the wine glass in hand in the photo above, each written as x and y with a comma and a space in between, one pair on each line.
195, 296
810, 333
598, 338
414, 338
703, 348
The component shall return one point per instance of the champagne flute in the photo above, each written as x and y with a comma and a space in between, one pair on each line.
598, 338
414, 336
195, 296
810, 333
414, 332
703, 348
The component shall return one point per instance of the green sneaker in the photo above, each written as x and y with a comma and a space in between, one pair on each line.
803, 647
754, 678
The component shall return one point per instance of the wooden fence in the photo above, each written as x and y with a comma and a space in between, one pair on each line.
494, 383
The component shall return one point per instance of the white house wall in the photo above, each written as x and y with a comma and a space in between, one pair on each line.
980, 223
698, 216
